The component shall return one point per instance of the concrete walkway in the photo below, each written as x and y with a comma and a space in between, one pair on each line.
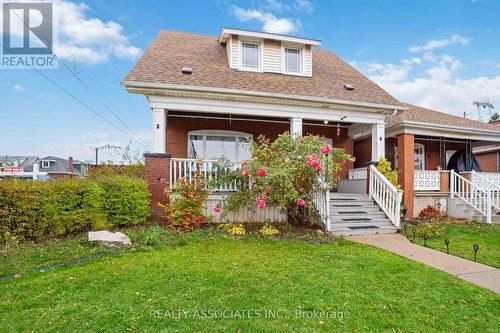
479, 274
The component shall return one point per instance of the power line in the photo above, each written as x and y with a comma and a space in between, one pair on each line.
81, 81
79, 100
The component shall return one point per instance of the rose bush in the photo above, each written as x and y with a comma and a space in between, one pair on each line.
285, 173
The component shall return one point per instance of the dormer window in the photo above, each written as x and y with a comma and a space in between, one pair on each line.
45, 164
250, 55
293, 61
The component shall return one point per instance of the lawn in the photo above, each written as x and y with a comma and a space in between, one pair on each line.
214, 283
462, 236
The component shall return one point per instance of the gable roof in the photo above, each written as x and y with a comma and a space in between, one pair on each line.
163, 60
419, 114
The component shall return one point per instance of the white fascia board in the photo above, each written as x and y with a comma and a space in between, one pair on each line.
419, 128
226, 32
130, 86
262, 109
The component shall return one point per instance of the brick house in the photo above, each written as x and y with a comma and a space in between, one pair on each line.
210, 95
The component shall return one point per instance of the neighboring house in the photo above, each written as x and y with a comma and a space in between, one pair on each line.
49, 166
210, 95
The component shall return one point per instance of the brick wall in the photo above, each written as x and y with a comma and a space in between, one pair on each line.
156, 173
489, 162
178, 128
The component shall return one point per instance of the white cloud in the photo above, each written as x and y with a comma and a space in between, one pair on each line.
433, 81
304, 5
270, 23
18, 87
86, 39
440, 43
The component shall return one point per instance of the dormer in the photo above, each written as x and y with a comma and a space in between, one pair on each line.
267, 52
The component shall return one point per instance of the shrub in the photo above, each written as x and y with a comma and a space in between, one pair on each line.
32, 210
126, 200
103, 171
233, 229
185, 207
429, 212
431, 228
268, 230
148, 236
285, 173
385, 168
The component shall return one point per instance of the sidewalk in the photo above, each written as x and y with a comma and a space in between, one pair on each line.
479, 274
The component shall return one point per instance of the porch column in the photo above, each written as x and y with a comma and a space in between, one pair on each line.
378, 141
406, 150
159, 134
295, 127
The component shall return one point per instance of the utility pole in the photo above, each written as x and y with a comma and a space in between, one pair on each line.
97, 156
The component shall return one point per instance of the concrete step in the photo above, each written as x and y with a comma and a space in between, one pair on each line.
362, 202
378, 223
355, 217
344, 231
363, 209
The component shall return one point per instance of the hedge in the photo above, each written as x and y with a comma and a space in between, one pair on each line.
33, 210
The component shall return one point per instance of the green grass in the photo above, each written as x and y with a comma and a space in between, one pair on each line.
373, 289
462, 237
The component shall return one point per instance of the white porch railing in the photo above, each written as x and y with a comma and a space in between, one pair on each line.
322, 204
358, 173
489, 181
471, 193
187, 168
386, 195
427, 180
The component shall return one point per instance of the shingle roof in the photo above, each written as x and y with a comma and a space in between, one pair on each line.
170, 51
420, 114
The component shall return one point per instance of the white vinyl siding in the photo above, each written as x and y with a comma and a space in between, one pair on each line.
272, 57
307, 70
235, 52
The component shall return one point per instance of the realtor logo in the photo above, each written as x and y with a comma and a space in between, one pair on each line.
28, 36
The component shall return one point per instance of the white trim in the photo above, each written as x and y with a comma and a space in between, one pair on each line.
284, 47
45, 164
130, 85
226, 33
443, 130
415, 147
378, 141
263, 110
159, 130
205, 133
260, 55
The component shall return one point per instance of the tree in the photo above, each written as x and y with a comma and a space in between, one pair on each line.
494, 117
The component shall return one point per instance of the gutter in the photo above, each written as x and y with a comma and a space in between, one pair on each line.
184, 87
417, 124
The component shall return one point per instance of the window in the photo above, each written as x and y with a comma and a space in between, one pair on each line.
250, 55
45, 164
212, 145
292, 60
419, 157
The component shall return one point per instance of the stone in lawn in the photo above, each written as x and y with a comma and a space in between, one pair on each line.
109, 239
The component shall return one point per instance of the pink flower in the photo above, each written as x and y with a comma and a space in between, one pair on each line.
300, 202
261, 201
217, 209
318, 168
243, 163
267, 188
302, 141
246, 173
326, 149
261, 172
312, 161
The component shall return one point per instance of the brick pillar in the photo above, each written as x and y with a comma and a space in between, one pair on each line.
445, 181
156, 172
406, 150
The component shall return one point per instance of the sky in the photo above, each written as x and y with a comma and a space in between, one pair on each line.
440, 54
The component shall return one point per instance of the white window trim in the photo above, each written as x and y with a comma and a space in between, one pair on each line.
419, 145
260, 44
283, 59
45, 164
204, 133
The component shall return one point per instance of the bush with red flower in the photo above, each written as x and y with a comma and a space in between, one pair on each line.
285, 173
185, 208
